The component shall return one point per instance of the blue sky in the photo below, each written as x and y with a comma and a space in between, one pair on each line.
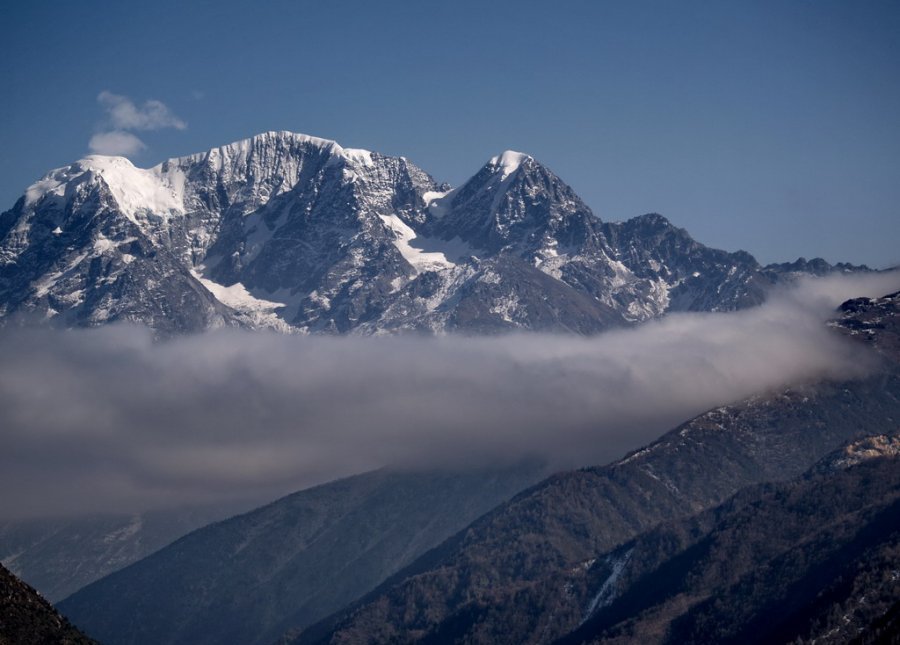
767, 126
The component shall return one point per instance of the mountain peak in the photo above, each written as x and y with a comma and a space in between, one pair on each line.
508, 162
159, 189
654, 219
133, 188
284, 136
283, 227
281, 139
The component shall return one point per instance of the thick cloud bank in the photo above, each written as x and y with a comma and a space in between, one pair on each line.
106, 419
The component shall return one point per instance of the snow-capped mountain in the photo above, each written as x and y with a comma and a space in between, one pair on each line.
298, 233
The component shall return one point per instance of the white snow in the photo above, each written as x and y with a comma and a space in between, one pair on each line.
437, 202
551, 264
551, 249
134, 189
505, 307
508, 162
220, 158
43, 286
71, 298
237, 296
607, 590
240, 149
622, 274
425, 254
103, 244
358, 156
150, 197
549, 252
652, 304
396, 283
320, 299
53, 183
490, 277
430, 196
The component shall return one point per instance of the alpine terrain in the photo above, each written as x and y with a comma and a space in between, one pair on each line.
300, 234
571, 557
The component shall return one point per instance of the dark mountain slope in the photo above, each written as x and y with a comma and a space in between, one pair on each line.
28, 619
810, 559
288, 564
58, 556
504, 579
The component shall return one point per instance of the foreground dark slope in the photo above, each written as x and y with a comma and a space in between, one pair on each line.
813, 559
58, 556
288, 564
505, 578
28, 619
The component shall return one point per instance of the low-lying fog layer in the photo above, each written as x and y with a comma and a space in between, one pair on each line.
106, 419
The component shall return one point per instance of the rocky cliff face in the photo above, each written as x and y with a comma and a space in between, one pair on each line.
299, 234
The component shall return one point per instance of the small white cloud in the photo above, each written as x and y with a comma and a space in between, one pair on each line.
117, 142
125, 115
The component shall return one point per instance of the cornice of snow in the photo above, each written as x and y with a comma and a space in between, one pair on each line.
133, 188
160, 189
509, 162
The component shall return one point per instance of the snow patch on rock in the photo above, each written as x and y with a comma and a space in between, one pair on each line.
608, 589
424, 254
